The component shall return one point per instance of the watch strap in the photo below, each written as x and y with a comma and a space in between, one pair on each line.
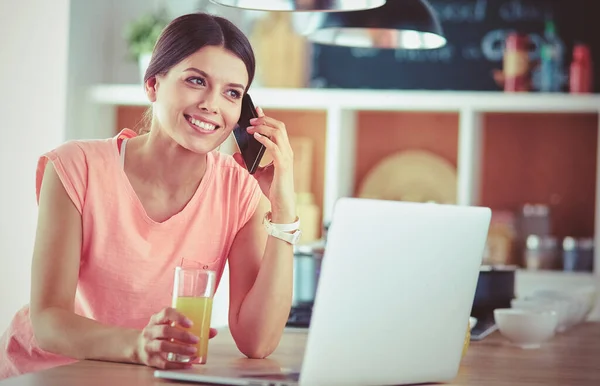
283, 227
282, 231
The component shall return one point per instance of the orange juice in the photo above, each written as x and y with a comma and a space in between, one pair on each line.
466, 341
198, 310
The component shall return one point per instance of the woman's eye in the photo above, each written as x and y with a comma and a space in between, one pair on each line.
235, 94
197, 81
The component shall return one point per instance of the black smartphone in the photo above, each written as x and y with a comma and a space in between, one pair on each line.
252, 151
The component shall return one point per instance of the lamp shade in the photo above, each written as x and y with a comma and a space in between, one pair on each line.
398, 24
302, 5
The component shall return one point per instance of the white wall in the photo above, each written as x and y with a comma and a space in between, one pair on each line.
33, 75
90, 54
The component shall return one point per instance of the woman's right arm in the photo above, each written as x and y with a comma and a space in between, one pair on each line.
55, 272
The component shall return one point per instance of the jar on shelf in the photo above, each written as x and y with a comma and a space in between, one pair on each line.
580, 73
578, 254
541, 253
516, 64
535, 220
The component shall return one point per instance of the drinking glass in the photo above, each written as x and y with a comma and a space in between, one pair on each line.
193, 291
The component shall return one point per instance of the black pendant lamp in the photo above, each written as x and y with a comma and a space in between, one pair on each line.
398, 24
302, 5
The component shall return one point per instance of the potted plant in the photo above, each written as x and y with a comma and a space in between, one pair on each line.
141, 35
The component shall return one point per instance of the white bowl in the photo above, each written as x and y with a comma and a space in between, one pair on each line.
527, 329
576, 303
587, 297
561, 307
472, 322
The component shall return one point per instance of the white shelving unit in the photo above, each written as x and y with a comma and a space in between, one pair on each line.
341, 107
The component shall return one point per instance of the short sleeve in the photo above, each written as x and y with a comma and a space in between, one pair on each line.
70, 163
249, 196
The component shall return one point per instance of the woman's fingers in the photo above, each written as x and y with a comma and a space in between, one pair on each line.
268, 121
165, 331
266, 131
269, 145
170, 315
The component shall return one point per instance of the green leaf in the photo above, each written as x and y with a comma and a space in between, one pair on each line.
142, 33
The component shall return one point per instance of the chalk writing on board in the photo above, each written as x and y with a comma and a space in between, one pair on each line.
492, 44
476, 11
518, 10
443, 55
476, 31
461, 12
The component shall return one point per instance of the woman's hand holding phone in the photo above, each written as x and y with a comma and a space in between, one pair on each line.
276, 179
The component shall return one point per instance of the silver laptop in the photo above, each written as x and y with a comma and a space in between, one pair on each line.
395, 292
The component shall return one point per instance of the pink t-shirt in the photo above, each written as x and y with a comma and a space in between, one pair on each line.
127, 259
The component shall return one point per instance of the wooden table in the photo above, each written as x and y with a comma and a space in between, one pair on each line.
570, 359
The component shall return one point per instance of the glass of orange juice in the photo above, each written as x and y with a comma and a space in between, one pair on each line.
193, 291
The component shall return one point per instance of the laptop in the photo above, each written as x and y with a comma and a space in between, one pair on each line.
395, 292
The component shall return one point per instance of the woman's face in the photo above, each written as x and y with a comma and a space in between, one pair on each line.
198, 101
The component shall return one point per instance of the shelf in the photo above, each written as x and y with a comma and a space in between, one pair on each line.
573, 277
382, 100
528, 281
343, 109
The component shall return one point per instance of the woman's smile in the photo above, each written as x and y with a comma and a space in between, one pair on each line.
201, 125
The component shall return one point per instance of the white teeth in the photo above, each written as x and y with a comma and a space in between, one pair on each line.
202, 125
207, 126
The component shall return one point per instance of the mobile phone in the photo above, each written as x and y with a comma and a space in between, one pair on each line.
251, 150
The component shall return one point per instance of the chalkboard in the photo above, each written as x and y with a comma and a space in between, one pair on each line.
475, 30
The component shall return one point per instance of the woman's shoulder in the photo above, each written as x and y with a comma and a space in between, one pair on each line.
73, 160
84, 148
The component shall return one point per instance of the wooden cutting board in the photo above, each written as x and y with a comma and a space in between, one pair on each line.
414, 175
282, 54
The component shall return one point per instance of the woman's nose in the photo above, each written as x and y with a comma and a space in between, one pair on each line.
209, 102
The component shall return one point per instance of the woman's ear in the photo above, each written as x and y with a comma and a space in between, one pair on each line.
151, 87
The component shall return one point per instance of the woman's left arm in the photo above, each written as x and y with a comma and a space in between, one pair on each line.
261, 266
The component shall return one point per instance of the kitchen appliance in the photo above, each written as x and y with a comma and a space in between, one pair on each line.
307, 268
495, 289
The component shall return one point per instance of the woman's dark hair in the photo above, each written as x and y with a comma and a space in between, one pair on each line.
187, 34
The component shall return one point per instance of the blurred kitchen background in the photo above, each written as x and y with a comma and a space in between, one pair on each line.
504, 114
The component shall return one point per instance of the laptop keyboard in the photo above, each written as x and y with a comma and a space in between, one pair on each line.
292, 377
300, 316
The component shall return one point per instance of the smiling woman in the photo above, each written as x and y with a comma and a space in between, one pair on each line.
116, 216
213, 75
